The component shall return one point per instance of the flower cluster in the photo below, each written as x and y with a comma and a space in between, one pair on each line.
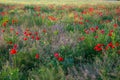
58, 57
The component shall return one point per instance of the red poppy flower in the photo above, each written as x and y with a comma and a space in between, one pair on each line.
81, 18
43, 16
52, 18
25, 33
3, 30
82, 38
86, 20
56, 55
84, 12
11, 29
91, 9
37, 56
96, 27
102, 31
107, 21
98, 47
111, 30
96, 37
32, 37
115, 25
36, 33
10, 42
30, 33
107, 47
13, 51
44, 30
92, 29
17, 33
100, 14
15, 46
37, 38
76, 16
110, 34
14, 21
3, 13
111, 45
25, 39
60, 59
81, 22
86, 31
117, 44
4, 24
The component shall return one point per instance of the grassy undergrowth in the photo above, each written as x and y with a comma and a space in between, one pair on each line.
60, 42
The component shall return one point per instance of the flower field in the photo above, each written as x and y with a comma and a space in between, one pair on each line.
60, 42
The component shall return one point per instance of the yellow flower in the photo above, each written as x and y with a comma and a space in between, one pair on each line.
71, 15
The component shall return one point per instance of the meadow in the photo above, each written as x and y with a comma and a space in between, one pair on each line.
60, 42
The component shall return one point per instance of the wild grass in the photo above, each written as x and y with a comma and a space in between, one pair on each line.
60, 42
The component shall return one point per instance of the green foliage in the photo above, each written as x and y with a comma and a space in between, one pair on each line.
45, 73
8, 73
